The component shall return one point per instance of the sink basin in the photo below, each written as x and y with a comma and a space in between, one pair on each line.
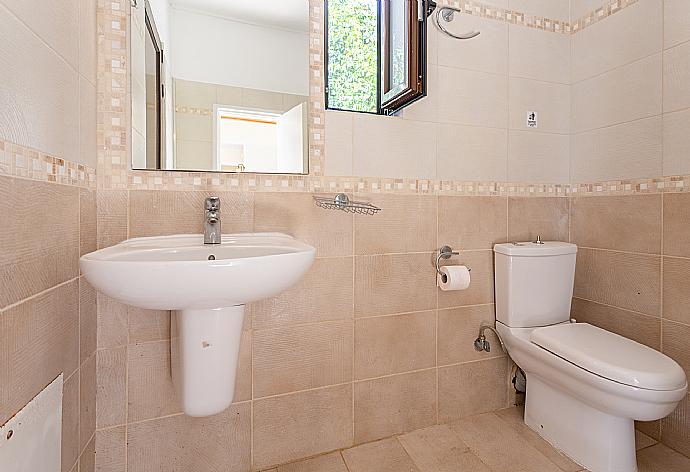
175, 273
206, 287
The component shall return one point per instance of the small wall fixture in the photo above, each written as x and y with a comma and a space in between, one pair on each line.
342, 202
447, 14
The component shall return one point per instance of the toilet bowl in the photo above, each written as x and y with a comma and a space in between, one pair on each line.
585, 386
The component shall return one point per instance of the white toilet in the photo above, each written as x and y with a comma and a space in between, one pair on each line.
585, 385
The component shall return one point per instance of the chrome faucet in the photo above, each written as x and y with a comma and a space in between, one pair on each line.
212, 233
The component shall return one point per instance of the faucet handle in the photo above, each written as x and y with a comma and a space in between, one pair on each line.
213, 204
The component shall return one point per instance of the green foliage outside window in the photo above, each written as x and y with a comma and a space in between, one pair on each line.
352, 55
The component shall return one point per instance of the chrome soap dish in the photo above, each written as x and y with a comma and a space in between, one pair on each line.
342, 202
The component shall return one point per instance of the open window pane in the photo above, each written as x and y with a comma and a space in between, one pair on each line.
376, 54
352, 55
403, 60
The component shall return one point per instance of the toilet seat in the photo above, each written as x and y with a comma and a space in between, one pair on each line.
610, 356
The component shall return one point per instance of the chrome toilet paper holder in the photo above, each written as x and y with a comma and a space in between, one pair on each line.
446, 252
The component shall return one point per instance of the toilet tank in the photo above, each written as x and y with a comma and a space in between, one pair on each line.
534, 283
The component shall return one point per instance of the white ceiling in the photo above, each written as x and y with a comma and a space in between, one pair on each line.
286, 14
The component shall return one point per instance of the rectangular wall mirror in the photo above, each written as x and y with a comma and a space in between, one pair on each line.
220, 85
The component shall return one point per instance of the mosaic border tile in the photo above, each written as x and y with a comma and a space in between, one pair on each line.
671, 184
609, 8
24, 162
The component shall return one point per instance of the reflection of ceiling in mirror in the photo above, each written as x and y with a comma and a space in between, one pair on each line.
286, 14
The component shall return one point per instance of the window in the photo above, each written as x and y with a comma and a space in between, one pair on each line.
375, 54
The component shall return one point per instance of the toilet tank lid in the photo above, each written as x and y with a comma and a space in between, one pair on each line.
611, 356
532, 249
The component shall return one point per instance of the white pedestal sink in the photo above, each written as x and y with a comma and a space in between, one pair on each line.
206, 287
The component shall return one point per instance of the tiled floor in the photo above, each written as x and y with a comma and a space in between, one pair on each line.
492, 442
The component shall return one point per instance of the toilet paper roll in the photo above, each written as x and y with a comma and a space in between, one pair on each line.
457, 277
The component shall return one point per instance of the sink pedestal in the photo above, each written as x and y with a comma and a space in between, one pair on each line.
205, 351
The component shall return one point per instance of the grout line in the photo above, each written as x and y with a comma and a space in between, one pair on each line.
39, 294
647, 315
618, 251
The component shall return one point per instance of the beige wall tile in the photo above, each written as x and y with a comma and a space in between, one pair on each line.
660, 458
393, 344
88, 42
676, 143
625, 151
70, 422
472, 98
676, 22
472, 388
387, 455
628, 223
629, 281
155, 213
489, 53
87, 401
675, 428
39, 339
553, 9
330, 232
329, 463
579, 8
514, 417
538, 56
112, 322
488, 436
472, 222
338, 143
193, 127
38, 83
676, 343
397, 283
88, 151
87, 221
150, 390
538, 157
531, 217
676, 227
616, 41
87, 461
220, 442
310, 423
393, 405
112, 217
202, 95
55, 22
324, 294
640, 328
147, 325
457, 330
407, 223
385, 146
87, 320
627, 93
642, 440
39, 237
438, 449
472, 153
650, 428
481, 290
550, 100
301, 357
676, 295
111, 387
677, 78
193, 154
111, 450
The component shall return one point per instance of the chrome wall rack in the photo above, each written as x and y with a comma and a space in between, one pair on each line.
342, 202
